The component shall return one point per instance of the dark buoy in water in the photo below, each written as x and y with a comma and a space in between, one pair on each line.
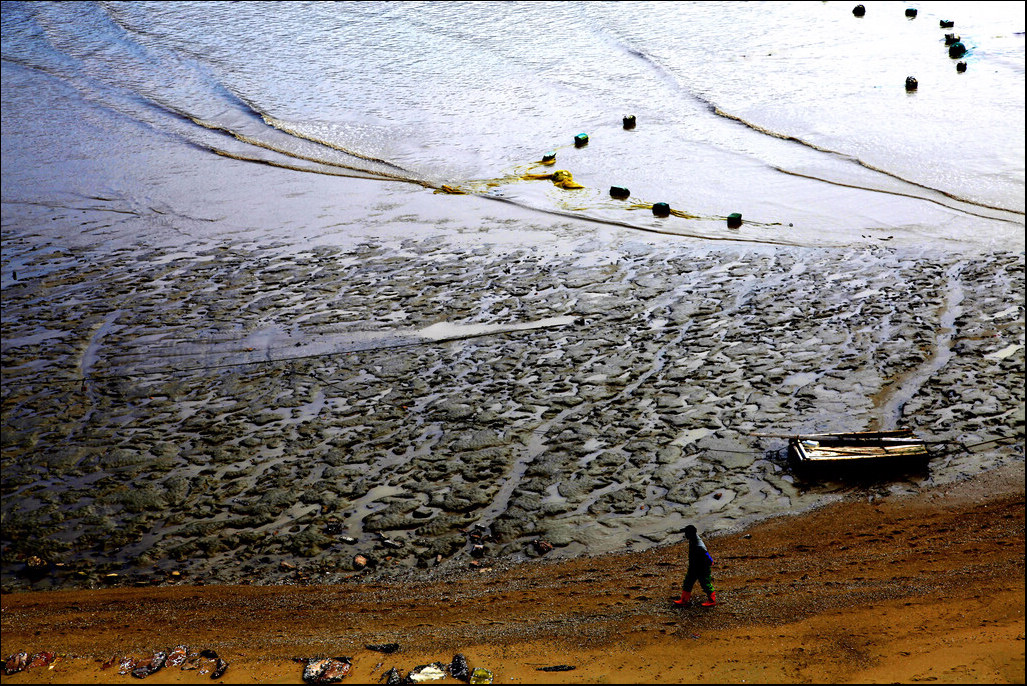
859, 10
957, 50
661, 209
946, 23
734, 220
910, 12
619, 192
911, 83
581, 140
629, 121
960, 67
549, 157
951, 38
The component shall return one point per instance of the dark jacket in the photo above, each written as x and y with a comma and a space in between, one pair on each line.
699, 558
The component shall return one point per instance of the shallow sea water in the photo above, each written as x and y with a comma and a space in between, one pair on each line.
793, 114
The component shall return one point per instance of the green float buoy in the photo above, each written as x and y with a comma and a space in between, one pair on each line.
957, 50
859, 10
946, 23
549, 157
581, 140
661, 209
910, 12
619, 192
734, 220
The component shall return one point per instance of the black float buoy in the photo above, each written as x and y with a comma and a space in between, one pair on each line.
911, 83
960, 67
957, 50
734, 220
629, 121
661, 209
619, 192
910, 12
946, 23
951, 38
859, 10
581, 140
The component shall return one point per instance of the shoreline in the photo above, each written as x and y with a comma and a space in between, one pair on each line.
864, 590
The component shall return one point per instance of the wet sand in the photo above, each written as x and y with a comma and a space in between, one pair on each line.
267, 413
901, 588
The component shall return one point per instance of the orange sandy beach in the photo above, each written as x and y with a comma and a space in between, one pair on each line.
898, 589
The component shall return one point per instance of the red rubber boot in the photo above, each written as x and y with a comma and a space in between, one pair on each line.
685, 598
712, 600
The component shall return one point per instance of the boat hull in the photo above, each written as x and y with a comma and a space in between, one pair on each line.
869, 451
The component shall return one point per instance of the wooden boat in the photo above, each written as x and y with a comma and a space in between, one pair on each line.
860, 449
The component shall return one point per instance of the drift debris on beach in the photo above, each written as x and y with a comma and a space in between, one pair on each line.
865, 590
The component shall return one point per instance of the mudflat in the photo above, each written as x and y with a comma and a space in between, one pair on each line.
923, 587
265, 415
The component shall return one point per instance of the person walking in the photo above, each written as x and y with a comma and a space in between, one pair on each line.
700, 568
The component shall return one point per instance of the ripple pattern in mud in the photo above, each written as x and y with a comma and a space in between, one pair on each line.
251, 414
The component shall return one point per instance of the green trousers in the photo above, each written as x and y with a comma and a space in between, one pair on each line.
704, 577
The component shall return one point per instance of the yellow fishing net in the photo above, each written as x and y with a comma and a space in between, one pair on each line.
561, 178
